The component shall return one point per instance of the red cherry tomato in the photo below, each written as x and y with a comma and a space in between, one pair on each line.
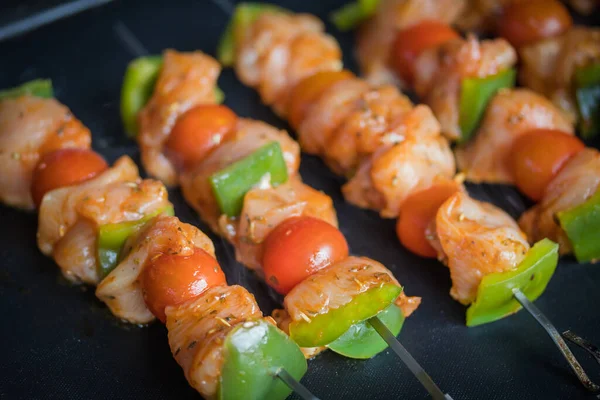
417, 212
414, 40
299, 247
169, 280
64, 167
197, 132
525, 22
537, 156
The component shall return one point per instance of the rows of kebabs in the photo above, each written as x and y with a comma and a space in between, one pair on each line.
107, 227
396, 154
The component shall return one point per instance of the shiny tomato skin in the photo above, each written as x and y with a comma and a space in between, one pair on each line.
537, 156
417, 213
526, 22
411, 42
171, 279
197, 132
299, 247
64, 167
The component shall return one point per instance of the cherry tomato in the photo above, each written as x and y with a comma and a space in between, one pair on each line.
526, 22
64, 167
411, 42
416, 214
197, 132
309, 89
537, 156
299, 247
169, 279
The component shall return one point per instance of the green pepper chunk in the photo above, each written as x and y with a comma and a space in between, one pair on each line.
582, 226
112, 237
495, 298
362, 341
587, 92
37, 87
475, 95
352, 14
138, 85
231, 184
325, 328
254, 352
243, 16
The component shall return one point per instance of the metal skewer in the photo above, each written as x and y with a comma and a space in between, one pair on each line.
584, 344
559, 341
138, 50
296, 386
409, 360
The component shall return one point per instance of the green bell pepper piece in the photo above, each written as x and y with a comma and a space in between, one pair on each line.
243, 16
582, 226
475, 95
587, 92
362, 341
495, 298
352, 14
231, 184
254, 352
37, 87
325, 328
138, 85
112, 237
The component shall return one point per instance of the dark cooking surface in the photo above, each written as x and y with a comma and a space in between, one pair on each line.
58, 341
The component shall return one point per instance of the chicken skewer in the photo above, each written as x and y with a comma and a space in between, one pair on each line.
522, 138
107, 227
196, 168
313, 90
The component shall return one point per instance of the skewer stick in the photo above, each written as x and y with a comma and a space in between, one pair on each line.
138, 50
584, 344
296, 386
409, 360
557, 339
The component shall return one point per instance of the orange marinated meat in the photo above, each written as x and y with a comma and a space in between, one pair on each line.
509, 114
29, 128
186, 80
577, 181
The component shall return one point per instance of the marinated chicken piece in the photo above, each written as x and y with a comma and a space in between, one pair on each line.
278, 50
439, 73
185, 81
367, 128
548, 66
283, 320
76, 253
29, 128
578, 180
121, 289
264, 209
337, 285
376, 36
198, 328
509, 114
392, 173
327, 113
249, 136
474, 239
60, 208
113, 203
